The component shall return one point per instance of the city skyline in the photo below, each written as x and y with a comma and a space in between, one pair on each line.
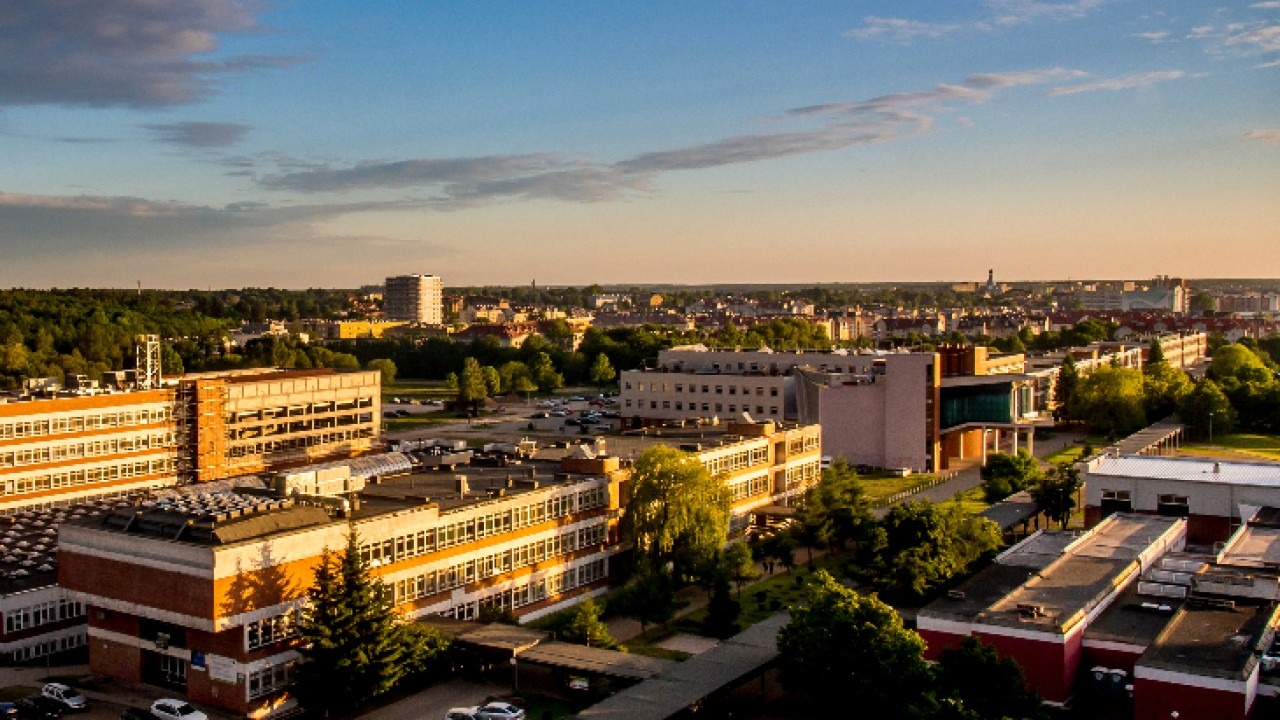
232, 144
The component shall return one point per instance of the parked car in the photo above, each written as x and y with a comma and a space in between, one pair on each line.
402, 413
8, 711
577, 398
72, 700
559, 413
540, 415
573, 421
500, 711
462, 713
170, 709
133, 713
38, 707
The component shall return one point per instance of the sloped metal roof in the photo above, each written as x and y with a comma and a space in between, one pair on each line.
1189, 469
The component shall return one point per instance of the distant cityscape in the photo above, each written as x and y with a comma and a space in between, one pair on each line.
171, 480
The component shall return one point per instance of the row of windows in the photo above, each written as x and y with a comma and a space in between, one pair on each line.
85, 449
297, 443
531, 592
270, 679
79, 423
49, 647
89, 476
495, 523
706, 389
269, 631
461, 573
805, 443
750, 487
799, 476
43, 613
706, 407
744, 458
287, 411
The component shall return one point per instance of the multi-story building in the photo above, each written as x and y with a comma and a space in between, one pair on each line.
200, 590
414, 298
892, 410
69, 453
60, 448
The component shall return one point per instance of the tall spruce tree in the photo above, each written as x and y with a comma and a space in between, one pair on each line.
353, 642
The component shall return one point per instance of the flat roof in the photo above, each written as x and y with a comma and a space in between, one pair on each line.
687, 683
1145, 438
1253, 546
1188, 469
1131, 622
1213, 640
598, 661
1060, 575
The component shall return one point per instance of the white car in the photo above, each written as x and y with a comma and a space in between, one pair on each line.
463, 713
170, 709
70, 698
500, 711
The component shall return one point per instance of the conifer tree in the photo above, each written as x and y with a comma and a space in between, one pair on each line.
353, 642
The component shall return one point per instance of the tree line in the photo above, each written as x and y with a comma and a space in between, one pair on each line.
1240, 390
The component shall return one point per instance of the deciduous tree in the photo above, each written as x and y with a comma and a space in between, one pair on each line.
678, 512
839, 641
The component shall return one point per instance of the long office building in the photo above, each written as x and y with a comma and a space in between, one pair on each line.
199, 588
73, 453
414, 298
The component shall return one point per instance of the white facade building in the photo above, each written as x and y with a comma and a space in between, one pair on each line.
415, 298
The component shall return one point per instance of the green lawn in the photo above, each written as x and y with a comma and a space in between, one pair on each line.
881, 485
1072, 452
416, 390
1246, 445
972, 501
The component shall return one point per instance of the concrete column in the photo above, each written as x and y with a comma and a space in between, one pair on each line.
995, 445
1031, 442
984, 445
1015, 441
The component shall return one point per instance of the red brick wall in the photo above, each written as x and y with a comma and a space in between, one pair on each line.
1155, 700
1050, 667
150, 587
936, 642
115, 660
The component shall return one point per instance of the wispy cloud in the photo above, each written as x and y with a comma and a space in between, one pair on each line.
138, 53
466, 181
1158, 37
1268, 5
900, 29
1121, 83
199, 134
1270, 136
1263, 37
1000, 14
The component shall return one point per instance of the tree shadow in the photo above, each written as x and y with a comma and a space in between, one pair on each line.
265, 585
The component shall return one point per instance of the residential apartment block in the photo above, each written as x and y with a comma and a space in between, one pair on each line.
414, 298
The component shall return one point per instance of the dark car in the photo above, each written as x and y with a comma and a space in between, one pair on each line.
38, 708
573, 421
133, 713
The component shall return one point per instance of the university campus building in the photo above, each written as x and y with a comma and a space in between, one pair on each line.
198, 588
73, 453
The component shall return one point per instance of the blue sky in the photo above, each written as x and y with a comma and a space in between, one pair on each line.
227, 143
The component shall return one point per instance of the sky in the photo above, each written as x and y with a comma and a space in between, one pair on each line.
230, 143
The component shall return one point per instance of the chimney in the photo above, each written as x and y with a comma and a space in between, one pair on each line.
462, 486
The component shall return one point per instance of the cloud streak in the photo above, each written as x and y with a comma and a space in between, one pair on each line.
135, 53
1001, 14
1270, 136
199, 134
465, 182
1125, 82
